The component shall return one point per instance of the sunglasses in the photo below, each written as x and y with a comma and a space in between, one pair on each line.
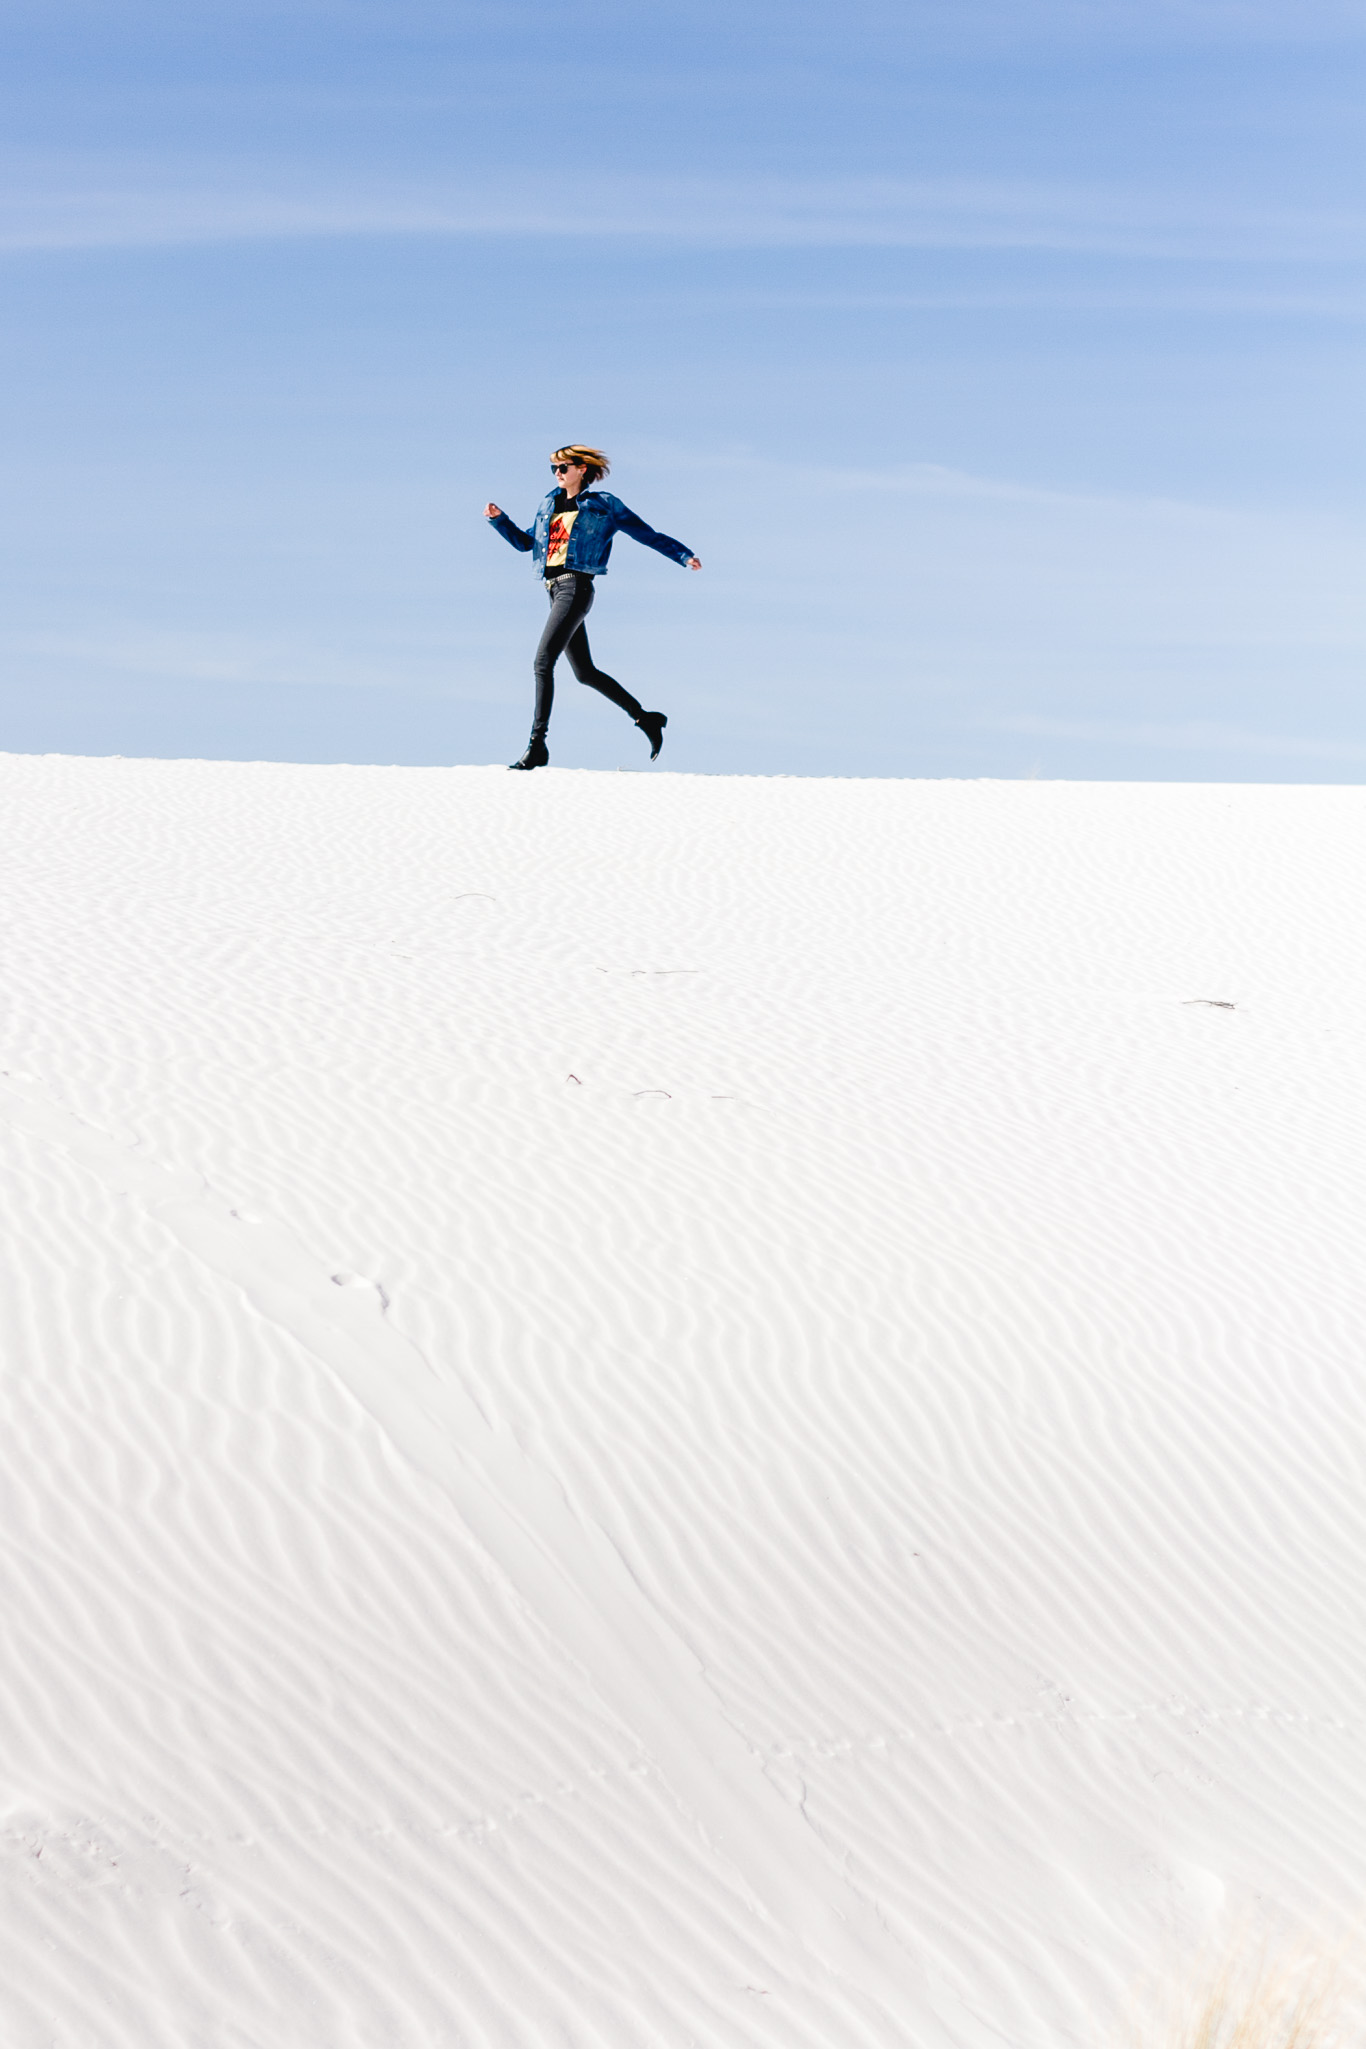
562, 469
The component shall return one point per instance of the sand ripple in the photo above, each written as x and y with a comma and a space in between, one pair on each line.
666, 1410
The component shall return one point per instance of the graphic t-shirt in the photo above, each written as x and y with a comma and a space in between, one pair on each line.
562, 520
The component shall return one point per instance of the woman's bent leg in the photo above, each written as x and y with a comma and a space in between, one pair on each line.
581, 662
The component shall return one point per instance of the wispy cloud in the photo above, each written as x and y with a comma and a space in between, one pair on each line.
1196, 736
931, 24
207, 657
116, 205
1317, 530
1223, 301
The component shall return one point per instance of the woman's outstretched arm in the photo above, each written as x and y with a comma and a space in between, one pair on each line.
631, 523
508, 528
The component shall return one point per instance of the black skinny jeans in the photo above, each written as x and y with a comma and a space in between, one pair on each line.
571, 599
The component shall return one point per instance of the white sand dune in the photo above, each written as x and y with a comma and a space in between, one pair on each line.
644, 1410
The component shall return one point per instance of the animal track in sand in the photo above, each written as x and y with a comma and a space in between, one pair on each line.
350, 1280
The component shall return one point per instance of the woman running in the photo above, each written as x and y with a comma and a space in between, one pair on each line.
570, 541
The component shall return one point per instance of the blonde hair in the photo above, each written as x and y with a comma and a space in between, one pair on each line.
593, 459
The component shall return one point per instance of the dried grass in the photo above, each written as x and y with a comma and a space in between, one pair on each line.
1253, 1999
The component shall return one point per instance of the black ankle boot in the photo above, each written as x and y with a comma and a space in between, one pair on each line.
537, 753
652, 724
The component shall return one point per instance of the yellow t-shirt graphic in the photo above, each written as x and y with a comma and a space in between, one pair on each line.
557, 541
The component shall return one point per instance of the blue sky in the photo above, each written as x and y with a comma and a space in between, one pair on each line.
1003, 363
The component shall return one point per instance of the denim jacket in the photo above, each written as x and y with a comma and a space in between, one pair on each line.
600, 516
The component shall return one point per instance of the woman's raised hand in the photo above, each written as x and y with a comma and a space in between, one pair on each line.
492, 511
693, 562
